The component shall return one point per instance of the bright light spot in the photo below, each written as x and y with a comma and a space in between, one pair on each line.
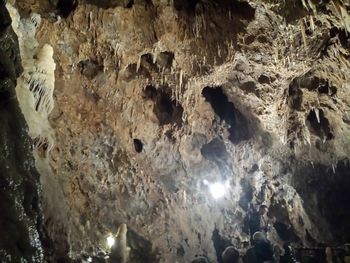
217, 190
110, 241
205, 182
89, 259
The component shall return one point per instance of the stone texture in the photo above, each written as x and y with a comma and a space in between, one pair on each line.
20, 222
160, 73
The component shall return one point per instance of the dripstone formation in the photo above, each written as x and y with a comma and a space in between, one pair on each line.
156, 100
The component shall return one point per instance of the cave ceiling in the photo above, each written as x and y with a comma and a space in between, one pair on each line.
155, 100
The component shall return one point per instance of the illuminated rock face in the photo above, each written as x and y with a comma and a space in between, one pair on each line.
156, 101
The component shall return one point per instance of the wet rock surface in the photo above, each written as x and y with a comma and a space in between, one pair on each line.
156, 100
20, 221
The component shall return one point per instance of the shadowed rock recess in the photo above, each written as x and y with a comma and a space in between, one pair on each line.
147, 130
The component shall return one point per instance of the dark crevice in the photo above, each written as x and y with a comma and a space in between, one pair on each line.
147, 58
227, 112
342, 35
132, 73
295, 96
112, 3
130, 4
237, 8
263, 79
326, 89
322, 86
165, 59
138, 145
186, 5
150, 92
319, 125
254, 168
242, 9
313, 83
262, 39
249, 39
89, 68
167, 110
66, 7
147, 63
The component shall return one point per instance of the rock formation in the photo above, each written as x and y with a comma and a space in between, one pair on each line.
156, 100
20, 221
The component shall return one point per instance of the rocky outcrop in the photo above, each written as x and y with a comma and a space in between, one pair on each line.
20, 222
154, 100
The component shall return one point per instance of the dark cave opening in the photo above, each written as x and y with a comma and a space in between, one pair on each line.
242, 9
165, 59
150, 92
66, 7
147, 58
138, 145
186, 5
226, 111
166, 109
89, 68
312, 83
238, 8
130, 4
132, 72
342, 35
263, 79
322, 86
319, 125
112, 3
325, 88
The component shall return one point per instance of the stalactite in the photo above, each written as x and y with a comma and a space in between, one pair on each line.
302, 29
35, 87
138, 64
312, 24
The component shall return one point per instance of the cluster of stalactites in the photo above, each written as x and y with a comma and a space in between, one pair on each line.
36, 85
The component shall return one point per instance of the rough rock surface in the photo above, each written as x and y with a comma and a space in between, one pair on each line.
152, 98
20, 221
